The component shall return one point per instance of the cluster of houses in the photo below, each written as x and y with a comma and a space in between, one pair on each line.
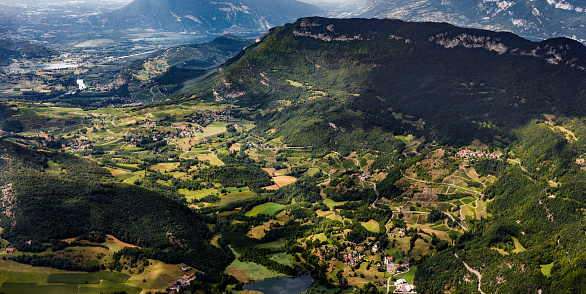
393, 268
470, 153
183, 284
400, 233
253, 145
188, 131
365, 175
208, 116
403, 287
352, 258
84, 144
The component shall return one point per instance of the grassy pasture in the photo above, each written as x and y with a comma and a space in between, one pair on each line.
546, 269
89, 278
269, 208
27, 288
162, 167
282, 258
107, 287
234, 197
518, 247
371, 225
331, 203
158, 276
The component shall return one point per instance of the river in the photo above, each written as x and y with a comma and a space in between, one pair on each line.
281, 285
45, 66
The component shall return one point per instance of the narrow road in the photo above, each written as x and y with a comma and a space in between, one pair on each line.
517, 162
474, 272
454, 220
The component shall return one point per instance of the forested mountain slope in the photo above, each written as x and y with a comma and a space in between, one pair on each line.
355, 77
52, 196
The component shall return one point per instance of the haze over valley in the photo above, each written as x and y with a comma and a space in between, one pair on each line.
256, 146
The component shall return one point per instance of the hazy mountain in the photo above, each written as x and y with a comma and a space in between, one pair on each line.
538, 19
16, 50
209, 17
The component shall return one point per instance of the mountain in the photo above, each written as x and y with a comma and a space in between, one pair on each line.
16, 50
172, 69
208, 17
536, 19
355, 81
77, 196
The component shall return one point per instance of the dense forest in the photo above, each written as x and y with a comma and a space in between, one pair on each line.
41, 206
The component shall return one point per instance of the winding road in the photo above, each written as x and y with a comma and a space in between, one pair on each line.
477, 273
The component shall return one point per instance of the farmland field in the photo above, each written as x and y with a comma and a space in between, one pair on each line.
87, 278
27, 288
269, 208
282, 181
108, 287
371, 225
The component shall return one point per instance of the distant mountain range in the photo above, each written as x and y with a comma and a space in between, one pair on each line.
208, 17
528, 18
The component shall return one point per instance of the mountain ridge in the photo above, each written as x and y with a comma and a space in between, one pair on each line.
479, 82
542, 19
208, 17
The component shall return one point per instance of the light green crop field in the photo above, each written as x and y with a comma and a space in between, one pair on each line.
546, 269
371, 225
518, 247
331, 203
269, 209
250, 271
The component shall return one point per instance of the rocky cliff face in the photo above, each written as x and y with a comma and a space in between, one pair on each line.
537, 19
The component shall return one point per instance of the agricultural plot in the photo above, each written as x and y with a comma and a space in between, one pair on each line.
164, 167
546, 269
108, 287
158, 276
87, 278
518, 247
235, 197
269, 209
27, 288
331, 203
371, 225
282, 181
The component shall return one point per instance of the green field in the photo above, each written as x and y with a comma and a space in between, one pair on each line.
371, 225
87, 278
408, 276
331, 203
249, 271
27, 288
546, 269
282, 258
108, 287
269, 208
518, 247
